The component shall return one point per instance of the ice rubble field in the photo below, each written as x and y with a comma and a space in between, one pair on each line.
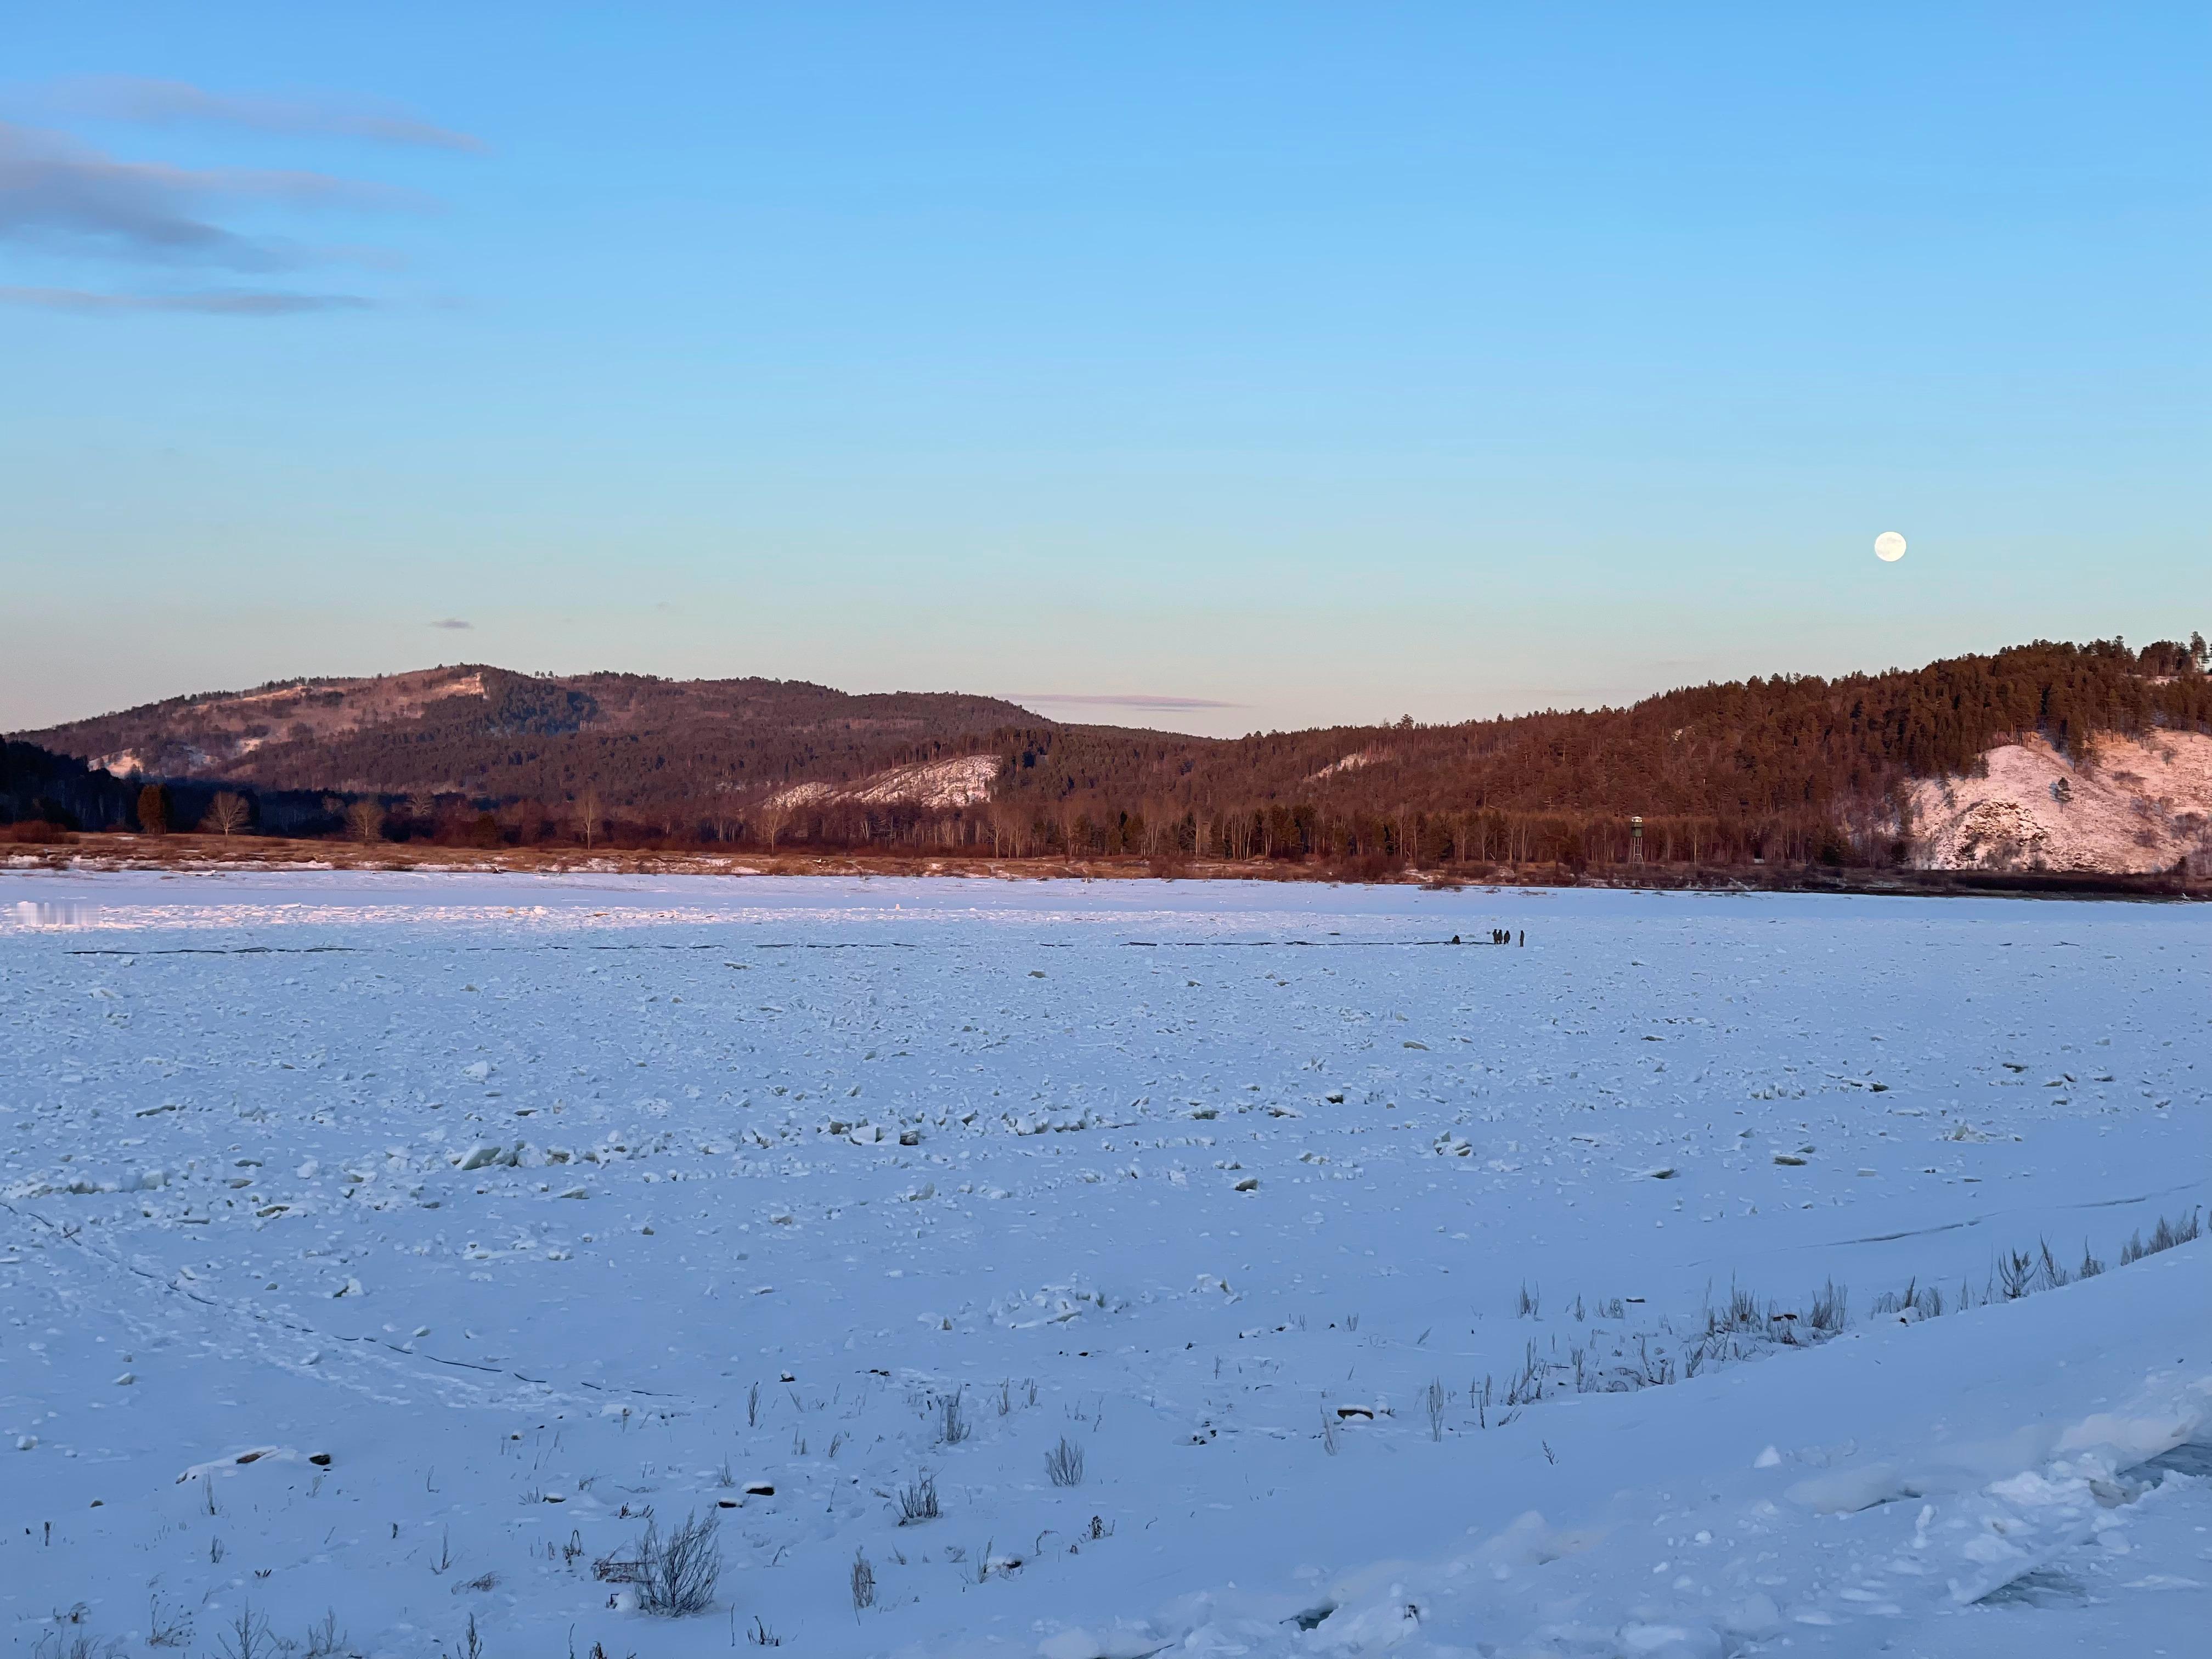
498, 1213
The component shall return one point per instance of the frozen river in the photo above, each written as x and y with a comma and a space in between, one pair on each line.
1242, 1268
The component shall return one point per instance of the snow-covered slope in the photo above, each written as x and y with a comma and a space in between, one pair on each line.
960, 781
210, 732
1349, 1279
2129, 806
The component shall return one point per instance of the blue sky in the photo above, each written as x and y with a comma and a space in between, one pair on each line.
1278, 365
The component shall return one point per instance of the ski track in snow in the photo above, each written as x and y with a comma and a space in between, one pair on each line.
534, 1205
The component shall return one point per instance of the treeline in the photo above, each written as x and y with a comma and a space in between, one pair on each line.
1791, 768
1744, 749
40, 789
660, 752
657, 748
43, 795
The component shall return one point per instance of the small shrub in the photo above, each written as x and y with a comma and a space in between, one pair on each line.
2053, 1275
1829, 1309
248, 1637
1742, 1313
1528, 1388
918, 1502
2164, 1236
1922, 1301
952, 1425
324, 1639
676, 1575
864, 1583
1064, 1463
169, 1628
682, 1573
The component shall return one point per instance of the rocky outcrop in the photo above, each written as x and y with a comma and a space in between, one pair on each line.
958, 782
2122, 805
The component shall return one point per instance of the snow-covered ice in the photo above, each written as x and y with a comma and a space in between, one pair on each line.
1244, 1268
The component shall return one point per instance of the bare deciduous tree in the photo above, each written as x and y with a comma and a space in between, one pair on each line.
1000, 815
722, 813
1010, 821
364, 820
588, 814
227, 814
1156, 826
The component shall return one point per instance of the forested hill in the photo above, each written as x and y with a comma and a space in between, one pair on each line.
640, 742
1799, 749
1792, 766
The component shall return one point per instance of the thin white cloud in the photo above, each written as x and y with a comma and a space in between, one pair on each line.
219, 302
1127, 700
140, 99
68, 197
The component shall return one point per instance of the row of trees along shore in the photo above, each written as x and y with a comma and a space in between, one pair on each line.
1788, 770
1300, 833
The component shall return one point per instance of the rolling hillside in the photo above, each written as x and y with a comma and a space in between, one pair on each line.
644, 745
2047, 755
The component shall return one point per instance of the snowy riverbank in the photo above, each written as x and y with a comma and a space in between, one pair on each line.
1571, 1298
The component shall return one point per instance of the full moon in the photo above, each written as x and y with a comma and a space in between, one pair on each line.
1889, 547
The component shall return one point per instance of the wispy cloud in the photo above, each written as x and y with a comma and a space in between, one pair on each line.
135, 98
1129, 699
219, 302
451, 622
56, 192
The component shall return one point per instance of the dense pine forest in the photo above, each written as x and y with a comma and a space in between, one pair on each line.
1791, 768
641, 743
